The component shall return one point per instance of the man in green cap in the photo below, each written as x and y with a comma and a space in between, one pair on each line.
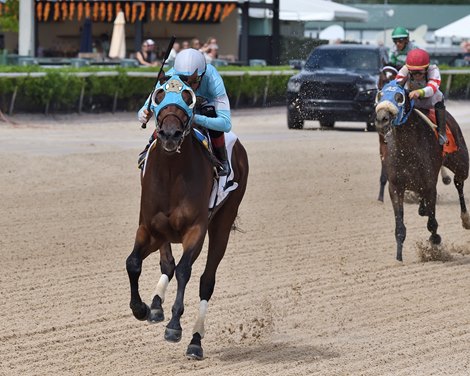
402, 45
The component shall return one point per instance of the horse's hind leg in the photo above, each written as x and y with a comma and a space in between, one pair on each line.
463, 208
167, 267
134, 269
446, 179
219, 232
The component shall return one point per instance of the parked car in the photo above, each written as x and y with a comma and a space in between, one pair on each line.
337, 83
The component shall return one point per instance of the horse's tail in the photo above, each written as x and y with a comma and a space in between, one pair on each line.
456, 131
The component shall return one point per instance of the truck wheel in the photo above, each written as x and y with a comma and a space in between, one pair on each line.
294, 121
327, 123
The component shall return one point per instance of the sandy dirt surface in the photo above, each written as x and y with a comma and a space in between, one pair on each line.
309, 287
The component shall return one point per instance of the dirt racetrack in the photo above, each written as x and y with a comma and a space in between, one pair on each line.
310, 287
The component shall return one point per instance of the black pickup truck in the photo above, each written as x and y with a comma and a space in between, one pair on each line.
337, 83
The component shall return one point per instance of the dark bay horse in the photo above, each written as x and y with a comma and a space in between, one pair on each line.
387, 74
176, 187
413, 159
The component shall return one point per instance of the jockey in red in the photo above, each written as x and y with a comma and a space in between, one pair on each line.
422, 79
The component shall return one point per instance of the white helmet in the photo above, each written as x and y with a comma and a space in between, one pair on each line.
188, 60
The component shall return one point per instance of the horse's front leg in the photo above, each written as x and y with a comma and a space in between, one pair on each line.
192, 245
383, 182
429, 199
142, 248
167, 267
383, 170
396, 195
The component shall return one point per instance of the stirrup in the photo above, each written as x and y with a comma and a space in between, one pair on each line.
442, 139
224, 169
141, 161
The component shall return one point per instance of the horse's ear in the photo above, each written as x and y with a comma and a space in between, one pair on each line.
162, 78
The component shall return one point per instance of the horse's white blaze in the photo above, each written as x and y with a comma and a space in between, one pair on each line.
387, 106
161, 287
199, 325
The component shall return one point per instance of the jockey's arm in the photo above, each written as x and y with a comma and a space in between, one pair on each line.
220, 123
144, 115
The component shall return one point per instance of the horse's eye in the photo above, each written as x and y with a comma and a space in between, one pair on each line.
158, 96
378, 97
399, 98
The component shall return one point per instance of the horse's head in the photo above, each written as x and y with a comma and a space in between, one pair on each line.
387, 74
392, 107
173, 102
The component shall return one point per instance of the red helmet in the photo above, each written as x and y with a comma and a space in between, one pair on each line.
417, 59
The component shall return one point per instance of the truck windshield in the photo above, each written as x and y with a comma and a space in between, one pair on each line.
344, 59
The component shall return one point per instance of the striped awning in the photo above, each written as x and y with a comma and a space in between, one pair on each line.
106, 11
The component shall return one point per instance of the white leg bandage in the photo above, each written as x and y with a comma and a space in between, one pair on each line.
161, 287
199, 325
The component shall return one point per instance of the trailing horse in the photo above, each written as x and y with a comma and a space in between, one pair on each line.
177, 183
387, 74
414, 157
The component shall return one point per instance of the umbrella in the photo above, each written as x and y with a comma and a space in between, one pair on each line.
86, 39
117, 50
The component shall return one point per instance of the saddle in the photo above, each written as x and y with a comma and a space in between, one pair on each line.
223, 185
451, 146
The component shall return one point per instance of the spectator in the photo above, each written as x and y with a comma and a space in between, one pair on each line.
211, 53
146, 56
171, 57
195, 44
465, 45
184, 45
210, 41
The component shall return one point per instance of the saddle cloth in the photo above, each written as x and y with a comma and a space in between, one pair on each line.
224, 184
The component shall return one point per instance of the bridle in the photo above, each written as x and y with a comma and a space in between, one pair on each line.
394, 94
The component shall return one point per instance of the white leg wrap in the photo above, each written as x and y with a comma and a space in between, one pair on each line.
199, 325
161, 287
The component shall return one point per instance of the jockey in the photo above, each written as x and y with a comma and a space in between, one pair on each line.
423, 80
402, 45
190, 65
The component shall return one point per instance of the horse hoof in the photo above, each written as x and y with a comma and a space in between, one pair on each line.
173, 335
141, 312
194, 352
155, 315
435, 239
446, 180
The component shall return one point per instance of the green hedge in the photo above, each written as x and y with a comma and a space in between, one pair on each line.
59, 91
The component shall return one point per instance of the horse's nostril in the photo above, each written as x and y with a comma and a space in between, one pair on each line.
178, 134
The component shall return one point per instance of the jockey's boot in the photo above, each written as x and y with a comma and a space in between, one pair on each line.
440, 110
143, 153
221, 153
